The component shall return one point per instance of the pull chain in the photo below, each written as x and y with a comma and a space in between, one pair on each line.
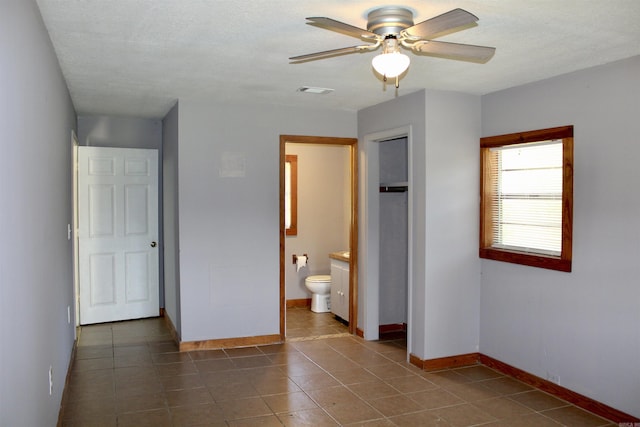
384, 79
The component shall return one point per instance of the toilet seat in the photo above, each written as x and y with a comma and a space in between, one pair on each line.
319, 278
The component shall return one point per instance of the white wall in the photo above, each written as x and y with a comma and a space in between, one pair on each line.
323, 222
36, 274
229, 226
582, 327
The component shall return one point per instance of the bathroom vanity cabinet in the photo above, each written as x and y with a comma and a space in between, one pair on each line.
340, 286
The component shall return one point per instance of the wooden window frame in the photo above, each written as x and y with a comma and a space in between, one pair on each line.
293, 161
560, 263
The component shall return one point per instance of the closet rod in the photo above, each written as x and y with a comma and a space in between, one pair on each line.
393, 189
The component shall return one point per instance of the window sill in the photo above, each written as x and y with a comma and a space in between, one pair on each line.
525, 258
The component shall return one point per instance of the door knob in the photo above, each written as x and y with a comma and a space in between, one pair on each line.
153, 244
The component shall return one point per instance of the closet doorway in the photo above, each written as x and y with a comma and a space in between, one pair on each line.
393, 248
387, 228
352, 207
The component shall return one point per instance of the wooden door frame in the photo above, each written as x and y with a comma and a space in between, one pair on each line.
352, 143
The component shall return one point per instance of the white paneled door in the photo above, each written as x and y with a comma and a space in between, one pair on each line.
118, 234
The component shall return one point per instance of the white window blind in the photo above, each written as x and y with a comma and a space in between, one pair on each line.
527, 197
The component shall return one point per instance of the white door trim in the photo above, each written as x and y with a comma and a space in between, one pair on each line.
369, 235
74, 228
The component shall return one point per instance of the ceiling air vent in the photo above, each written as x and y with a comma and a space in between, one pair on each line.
316, 90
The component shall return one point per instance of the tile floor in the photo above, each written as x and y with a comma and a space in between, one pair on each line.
302, 323
130, 374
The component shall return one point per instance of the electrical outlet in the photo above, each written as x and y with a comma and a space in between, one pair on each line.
69, 314
50, 380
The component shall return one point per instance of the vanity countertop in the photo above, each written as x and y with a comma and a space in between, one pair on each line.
340, 256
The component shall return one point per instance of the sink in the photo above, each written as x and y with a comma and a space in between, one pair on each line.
340, 255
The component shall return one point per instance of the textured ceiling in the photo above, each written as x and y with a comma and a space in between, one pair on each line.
137, 57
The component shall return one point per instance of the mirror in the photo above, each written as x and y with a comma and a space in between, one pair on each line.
291, 195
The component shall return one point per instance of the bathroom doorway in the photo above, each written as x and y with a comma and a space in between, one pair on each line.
292, 275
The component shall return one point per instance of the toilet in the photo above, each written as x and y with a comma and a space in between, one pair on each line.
320, 288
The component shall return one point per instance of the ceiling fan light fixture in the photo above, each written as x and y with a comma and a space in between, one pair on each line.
391, 64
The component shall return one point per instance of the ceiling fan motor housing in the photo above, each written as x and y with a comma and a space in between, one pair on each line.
389, 20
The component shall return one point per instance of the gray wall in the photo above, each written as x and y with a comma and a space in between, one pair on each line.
408, 110
444, 305
323, 221
582, 327
452, 267
229, 225
120, 132
36, 274
171, 214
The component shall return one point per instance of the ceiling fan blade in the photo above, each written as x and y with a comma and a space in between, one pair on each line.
328, 53
341, 27
449, 22
460, 52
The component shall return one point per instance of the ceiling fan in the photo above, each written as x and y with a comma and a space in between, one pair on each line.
392, 27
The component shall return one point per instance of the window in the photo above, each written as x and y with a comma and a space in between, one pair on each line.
527, 198
291, 195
